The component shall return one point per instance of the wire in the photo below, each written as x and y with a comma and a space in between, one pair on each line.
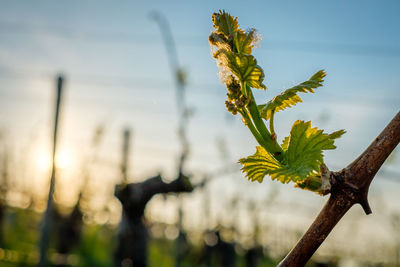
197, 41
156, 84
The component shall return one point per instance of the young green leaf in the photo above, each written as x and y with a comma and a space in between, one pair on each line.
289, 97
243, 66
285, 143
244, 42
303, 155
304, 152
225, 23
262, 163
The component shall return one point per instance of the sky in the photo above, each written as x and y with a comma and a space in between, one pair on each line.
116, 72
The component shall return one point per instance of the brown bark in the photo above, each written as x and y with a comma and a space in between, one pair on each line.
348, 187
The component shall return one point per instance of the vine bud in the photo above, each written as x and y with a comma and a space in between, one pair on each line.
242, 102
233, 88
231, 107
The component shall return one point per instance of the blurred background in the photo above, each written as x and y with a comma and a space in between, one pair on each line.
140, 90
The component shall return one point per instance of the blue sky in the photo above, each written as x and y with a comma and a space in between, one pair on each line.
117, 73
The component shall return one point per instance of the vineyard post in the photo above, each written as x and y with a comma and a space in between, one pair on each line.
46, 224
3, 193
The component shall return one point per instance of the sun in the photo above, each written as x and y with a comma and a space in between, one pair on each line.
63, 160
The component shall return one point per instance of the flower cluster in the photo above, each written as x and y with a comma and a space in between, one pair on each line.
236, 100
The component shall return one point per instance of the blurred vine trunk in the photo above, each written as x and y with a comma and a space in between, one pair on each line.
133, 235
2, 208
2, 218
68, 232
255, 253
226, 252
180, 77
252, 256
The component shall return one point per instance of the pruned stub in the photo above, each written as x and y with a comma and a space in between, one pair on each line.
347, 193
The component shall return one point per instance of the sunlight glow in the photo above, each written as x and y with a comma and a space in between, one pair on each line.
63, 160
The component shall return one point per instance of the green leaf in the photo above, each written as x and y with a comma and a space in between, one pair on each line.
225, 23
234, 49
302, 157
285, 143
261, 164
289, 97
244, 41
337, 134
304, 152
243, 66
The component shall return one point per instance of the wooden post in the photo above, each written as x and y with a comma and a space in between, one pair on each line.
3, 194
46, 226
125, 155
